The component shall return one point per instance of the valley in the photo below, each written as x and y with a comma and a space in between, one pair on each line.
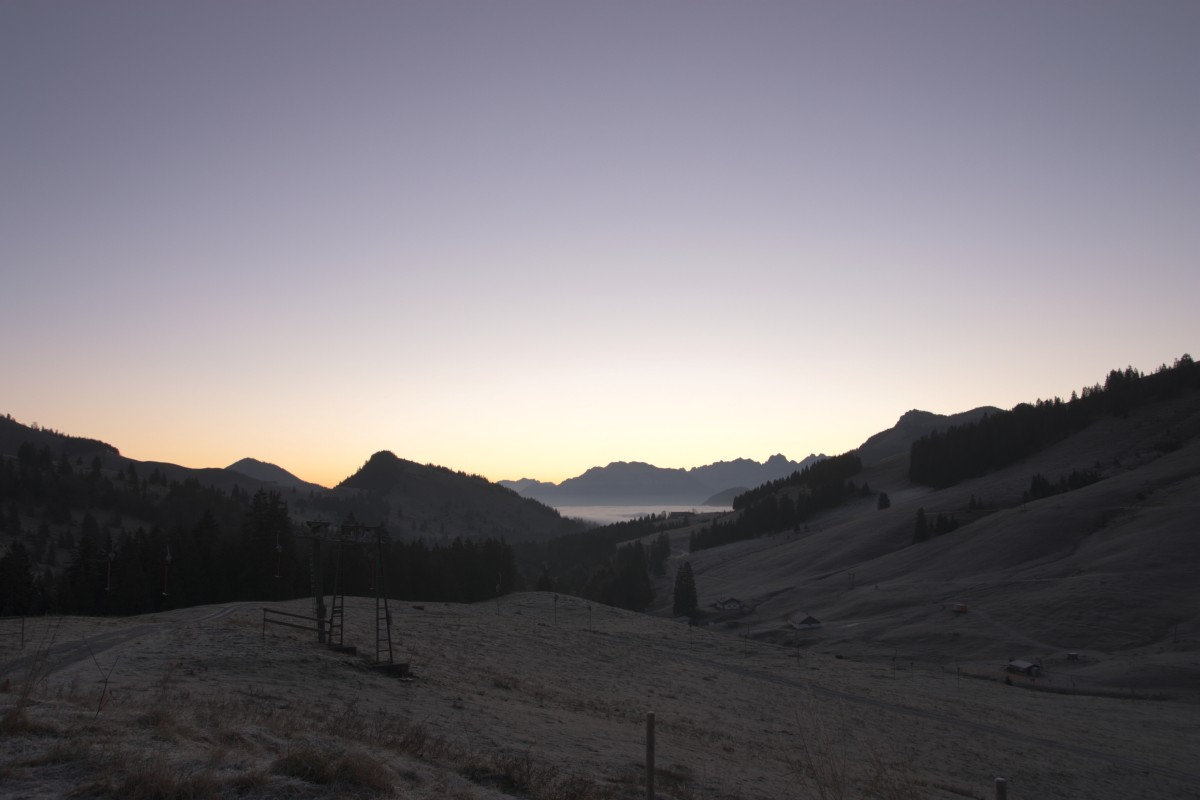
901, 640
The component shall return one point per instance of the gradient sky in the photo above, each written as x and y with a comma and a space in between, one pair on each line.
521, 239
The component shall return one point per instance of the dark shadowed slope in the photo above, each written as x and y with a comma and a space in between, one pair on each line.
1106, 569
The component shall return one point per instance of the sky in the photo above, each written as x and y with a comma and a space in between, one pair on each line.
522, 239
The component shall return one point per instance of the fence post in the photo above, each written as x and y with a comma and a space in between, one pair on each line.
1001, 789
649, 755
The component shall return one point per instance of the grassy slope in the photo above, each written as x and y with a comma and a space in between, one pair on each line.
543, 700
1109, 569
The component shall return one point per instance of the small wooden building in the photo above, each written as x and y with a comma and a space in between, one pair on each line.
1024, 667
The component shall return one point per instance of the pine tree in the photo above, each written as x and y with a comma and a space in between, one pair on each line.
660, 551
921, 529
16, 578
685, 591
884, 501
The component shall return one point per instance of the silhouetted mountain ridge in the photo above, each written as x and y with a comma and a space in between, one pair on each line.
896, 441
435, 502
13, 434
639, 483
91, 452
270, 473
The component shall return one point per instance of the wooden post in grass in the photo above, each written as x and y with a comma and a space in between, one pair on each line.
318, 587
649, 755
1001, 789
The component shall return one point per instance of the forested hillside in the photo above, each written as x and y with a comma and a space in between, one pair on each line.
608, 564
944, 458
437, 504
785, 503
82, 539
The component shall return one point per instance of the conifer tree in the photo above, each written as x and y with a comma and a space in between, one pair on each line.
16, 580
685, 591
921, 529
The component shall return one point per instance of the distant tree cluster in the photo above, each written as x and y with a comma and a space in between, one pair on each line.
942, 524
944, 458
139, 544
623, 580
1040, 486
606, 564
786, 502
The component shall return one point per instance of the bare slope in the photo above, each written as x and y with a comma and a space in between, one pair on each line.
543, 698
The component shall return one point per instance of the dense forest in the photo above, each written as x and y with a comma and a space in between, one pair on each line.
83, 540
608, 564
944, 458
786, 503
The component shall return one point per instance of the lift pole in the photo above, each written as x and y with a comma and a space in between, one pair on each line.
383, 615
318, 589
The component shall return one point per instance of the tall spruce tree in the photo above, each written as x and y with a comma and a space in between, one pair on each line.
921, 528
685, 591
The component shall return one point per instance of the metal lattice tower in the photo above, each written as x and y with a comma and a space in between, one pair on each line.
360, 536
337, 602
317, 528
383, 614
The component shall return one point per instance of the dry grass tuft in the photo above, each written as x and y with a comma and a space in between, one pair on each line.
352, 770
16, 719
153, 779
162, 719
249, 783
895, 780
833, 764
519, 772
60, 753
575, 787
823, 762
520, 775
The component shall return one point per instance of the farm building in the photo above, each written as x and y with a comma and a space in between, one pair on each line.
804, 622
1024, 667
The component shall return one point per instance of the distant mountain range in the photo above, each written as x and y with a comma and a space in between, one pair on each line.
624, 483
427, 500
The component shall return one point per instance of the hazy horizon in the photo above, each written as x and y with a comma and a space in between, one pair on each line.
525, 239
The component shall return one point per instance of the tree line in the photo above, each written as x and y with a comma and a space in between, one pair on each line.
84, 540
786, 503
944, 458
607, 564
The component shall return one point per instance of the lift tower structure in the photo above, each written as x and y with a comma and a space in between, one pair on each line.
353, 535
